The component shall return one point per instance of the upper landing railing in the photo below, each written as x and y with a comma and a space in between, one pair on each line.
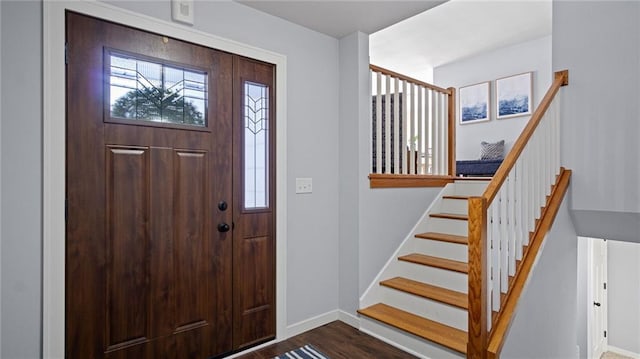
413, 127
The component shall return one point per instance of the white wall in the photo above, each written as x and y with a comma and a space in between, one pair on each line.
623, 291
534, 55
599, 42
21, 107
545, 322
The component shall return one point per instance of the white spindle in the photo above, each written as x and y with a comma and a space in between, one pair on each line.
379, 123
519, 209
420, 135
494, 238
504, 241
387, 126
405, 129
445, 135
511, 215
396, 126
412, 131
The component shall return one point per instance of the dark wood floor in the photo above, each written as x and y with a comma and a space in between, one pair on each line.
336, 340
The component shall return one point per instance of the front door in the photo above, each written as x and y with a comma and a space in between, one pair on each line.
169, 187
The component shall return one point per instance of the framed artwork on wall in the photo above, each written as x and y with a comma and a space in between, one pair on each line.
513, 95
474, 103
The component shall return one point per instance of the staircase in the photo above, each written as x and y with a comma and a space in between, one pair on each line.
422, 290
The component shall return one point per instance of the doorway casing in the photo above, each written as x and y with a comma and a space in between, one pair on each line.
53, 254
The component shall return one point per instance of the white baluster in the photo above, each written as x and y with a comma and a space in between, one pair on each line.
379, 123
511, 215
387, 126
397, 146
421, 107
445, 133
519, 207
435, 129
405, 129
495, 251
504, 241
412, 131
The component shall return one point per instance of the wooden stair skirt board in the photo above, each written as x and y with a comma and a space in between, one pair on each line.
443, 295
436, 262
444, 335
443, 237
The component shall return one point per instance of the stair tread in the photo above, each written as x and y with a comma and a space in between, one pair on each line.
456, 197
437, 262
447, 296
462, 217
443, 237
444, 335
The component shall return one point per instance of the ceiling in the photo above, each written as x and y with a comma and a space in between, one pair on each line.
407, 38
340, 18
456, 30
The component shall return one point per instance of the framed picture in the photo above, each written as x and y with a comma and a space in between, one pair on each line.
513, 95
474, 103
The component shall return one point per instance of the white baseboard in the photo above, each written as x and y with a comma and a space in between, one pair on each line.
349, 319
394, 344
312, 323
620, 351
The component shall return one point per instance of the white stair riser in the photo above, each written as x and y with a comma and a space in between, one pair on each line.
426, 308
453, 251
420, 347
456, 206
430, 275
470, 188
448, 226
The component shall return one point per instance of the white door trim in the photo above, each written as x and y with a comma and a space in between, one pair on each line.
591, 278
53, 266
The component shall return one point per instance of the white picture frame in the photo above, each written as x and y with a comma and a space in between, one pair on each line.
514, 96
474, 105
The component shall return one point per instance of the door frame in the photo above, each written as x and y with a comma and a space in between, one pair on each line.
53, 141
590, 286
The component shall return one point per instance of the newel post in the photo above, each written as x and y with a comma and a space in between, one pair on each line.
478, 333
451, 131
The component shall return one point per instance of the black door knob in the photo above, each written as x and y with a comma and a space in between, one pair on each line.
596, 304
223, 227
222, 205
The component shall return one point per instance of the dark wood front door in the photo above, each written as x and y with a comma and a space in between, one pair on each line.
170, 226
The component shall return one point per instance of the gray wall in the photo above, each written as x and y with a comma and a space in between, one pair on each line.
599, 42
21, 178
534, 55
545, 322
623, 295
354, 87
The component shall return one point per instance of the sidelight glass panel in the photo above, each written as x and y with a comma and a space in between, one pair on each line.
256, 154
149, 91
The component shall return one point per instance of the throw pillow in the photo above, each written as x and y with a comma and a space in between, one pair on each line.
492, 151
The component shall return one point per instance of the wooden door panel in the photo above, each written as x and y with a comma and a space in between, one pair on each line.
161, 259
254, 235
191, 241
127, 242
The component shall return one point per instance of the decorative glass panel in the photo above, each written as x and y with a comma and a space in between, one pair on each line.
256, 154
148, 91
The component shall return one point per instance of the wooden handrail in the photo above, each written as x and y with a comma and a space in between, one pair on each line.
561, 79
384, 71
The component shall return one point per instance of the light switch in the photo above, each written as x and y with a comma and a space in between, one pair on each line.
304, 185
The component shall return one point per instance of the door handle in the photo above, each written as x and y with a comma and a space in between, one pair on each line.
223, 227
596, 304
